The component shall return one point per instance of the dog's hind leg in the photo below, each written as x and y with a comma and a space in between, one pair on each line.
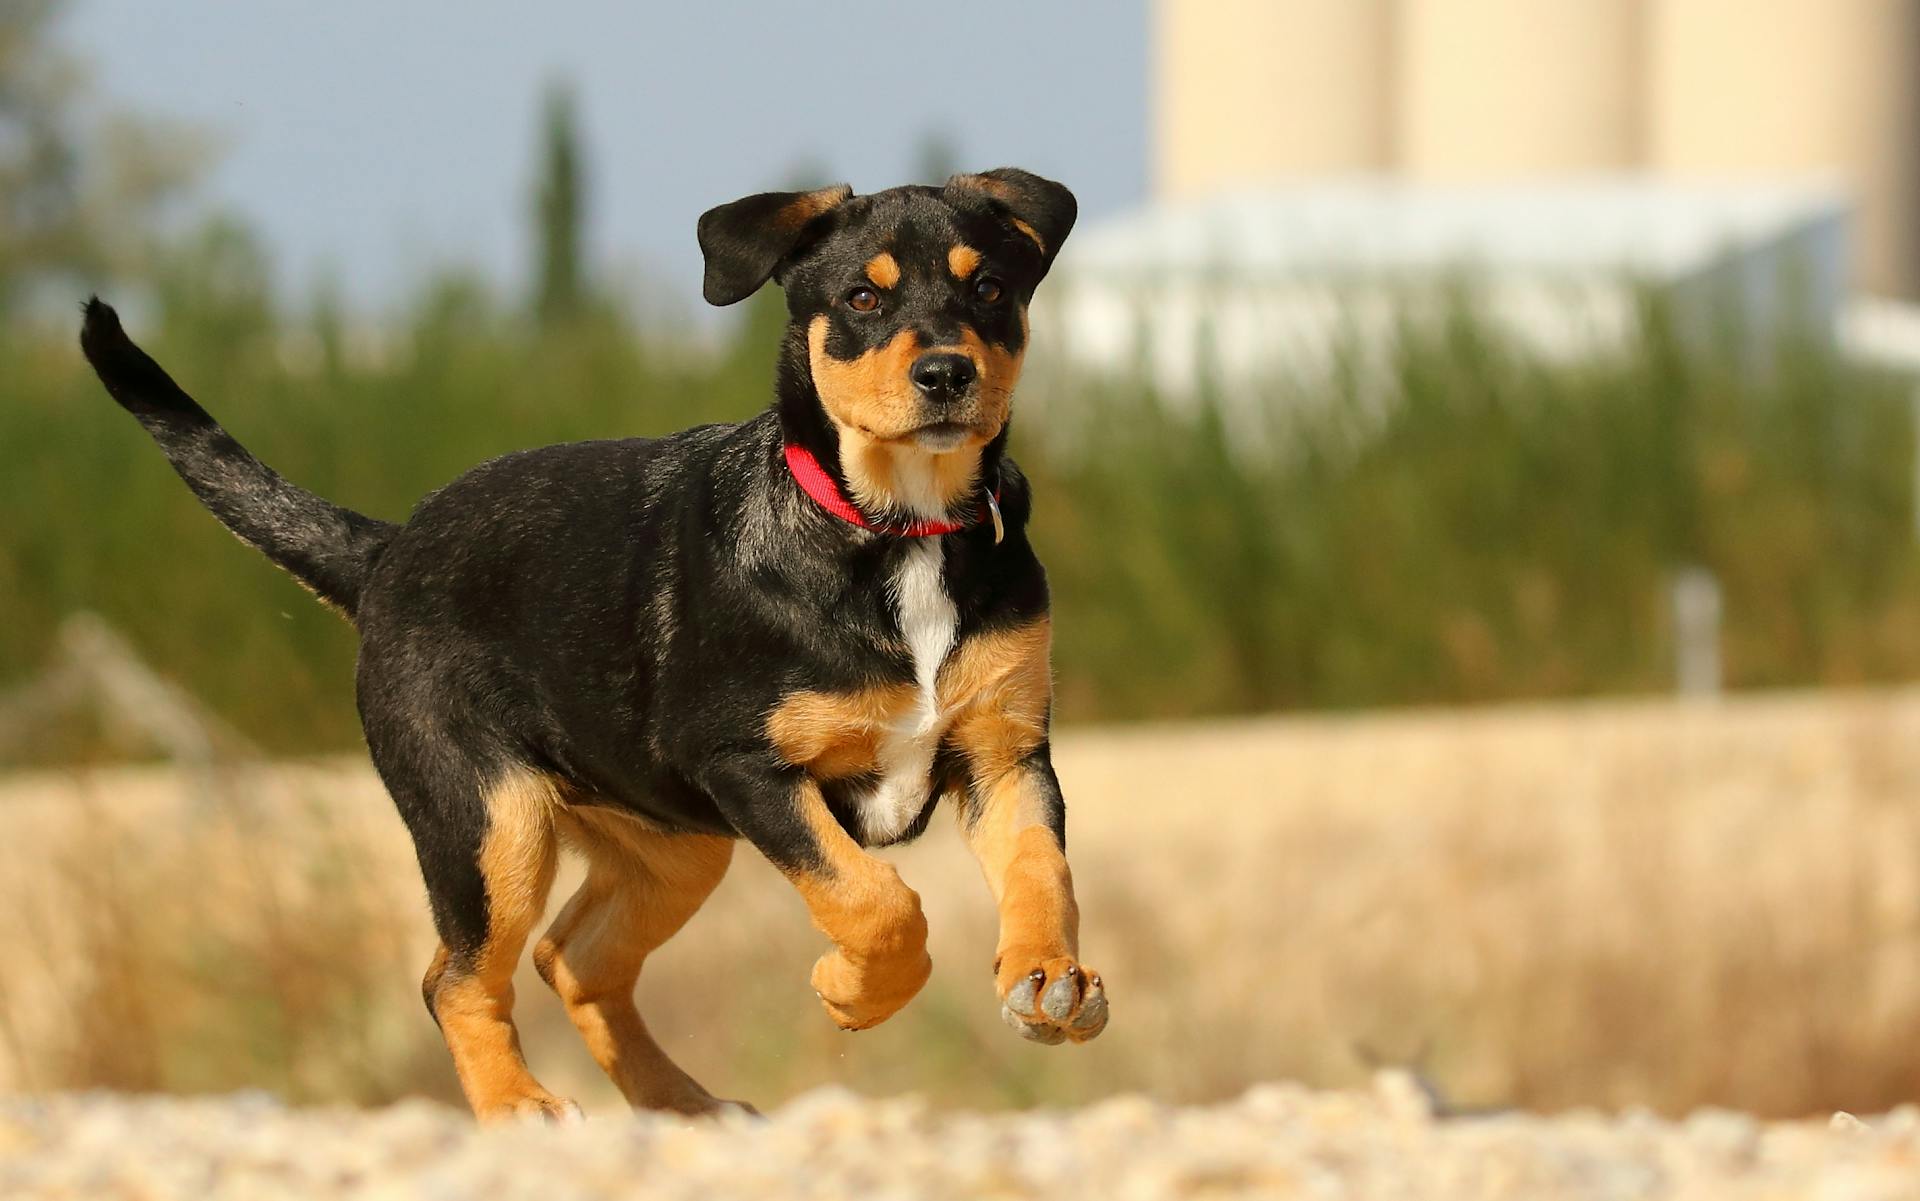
641, 887
486, 898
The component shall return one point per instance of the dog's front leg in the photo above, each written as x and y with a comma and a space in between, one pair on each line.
879, 958
1015, 823
1014, 819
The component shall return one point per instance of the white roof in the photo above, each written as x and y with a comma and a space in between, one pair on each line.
1641, 225
1881, 331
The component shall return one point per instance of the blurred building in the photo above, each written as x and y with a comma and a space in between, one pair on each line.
1491, 91
1323, 168
1284, 282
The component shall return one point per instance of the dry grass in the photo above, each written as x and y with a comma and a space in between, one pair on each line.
1619, 904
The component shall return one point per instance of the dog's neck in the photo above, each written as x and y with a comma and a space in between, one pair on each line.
885, 479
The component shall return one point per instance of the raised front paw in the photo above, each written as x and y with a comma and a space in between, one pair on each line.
1051, 1000
862, 994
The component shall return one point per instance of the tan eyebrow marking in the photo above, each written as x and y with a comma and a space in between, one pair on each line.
884, 270
963, 260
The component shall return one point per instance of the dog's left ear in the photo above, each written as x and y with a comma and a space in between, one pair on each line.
1039, 209
745, 241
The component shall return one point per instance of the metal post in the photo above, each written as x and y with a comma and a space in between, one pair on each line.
1696, 633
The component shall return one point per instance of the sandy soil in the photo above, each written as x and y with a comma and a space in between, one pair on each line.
1275, 1141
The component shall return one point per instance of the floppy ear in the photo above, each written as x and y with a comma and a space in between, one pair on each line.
745, 241
1039, 209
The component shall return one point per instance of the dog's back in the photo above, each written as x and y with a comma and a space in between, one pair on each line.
540, 597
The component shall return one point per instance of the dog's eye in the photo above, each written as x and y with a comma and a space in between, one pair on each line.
863, 300
988, 290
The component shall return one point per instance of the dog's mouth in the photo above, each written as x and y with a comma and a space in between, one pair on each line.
942, 436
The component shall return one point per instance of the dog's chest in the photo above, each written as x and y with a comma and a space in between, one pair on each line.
906, 745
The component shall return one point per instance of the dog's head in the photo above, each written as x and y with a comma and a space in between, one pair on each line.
910, 304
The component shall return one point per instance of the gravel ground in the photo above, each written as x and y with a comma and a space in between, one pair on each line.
1276, 1141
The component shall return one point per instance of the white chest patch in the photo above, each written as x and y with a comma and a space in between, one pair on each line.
929, 621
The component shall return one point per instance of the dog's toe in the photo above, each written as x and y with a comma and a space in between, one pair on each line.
1055, 1002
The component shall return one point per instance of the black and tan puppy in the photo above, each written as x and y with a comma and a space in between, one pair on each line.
803, 630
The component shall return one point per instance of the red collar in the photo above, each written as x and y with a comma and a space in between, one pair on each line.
815, 482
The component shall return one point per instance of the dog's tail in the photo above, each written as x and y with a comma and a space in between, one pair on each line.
328, 549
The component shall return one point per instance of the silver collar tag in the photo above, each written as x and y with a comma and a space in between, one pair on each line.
999, 526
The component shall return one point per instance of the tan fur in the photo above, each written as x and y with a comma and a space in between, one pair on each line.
875, 408
642, 885
963, 260
884, 270
1027, 872
1004, 193
473, 1002
809, 205
835, 735
882, 474
999, 371
998, 189
873, 393
998, 686
1001, 685
1026, 869
1031, 233
874, 920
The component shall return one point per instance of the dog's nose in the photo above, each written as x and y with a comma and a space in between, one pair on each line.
942, 375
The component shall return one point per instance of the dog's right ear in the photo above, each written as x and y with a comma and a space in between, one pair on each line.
745, 241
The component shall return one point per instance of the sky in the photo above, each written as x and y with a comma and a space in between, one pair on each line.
375, 142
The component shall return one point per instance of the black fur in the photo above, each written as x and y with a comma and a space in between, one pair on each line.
745, 241
625, 615
327, 548
1049, 209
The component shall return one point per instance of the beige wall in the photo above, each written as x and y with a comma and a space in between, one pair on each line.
1247, 91
1808, 85
1497, 87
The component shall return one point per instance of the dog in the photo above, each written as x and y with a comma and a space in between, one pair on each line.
803, 630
